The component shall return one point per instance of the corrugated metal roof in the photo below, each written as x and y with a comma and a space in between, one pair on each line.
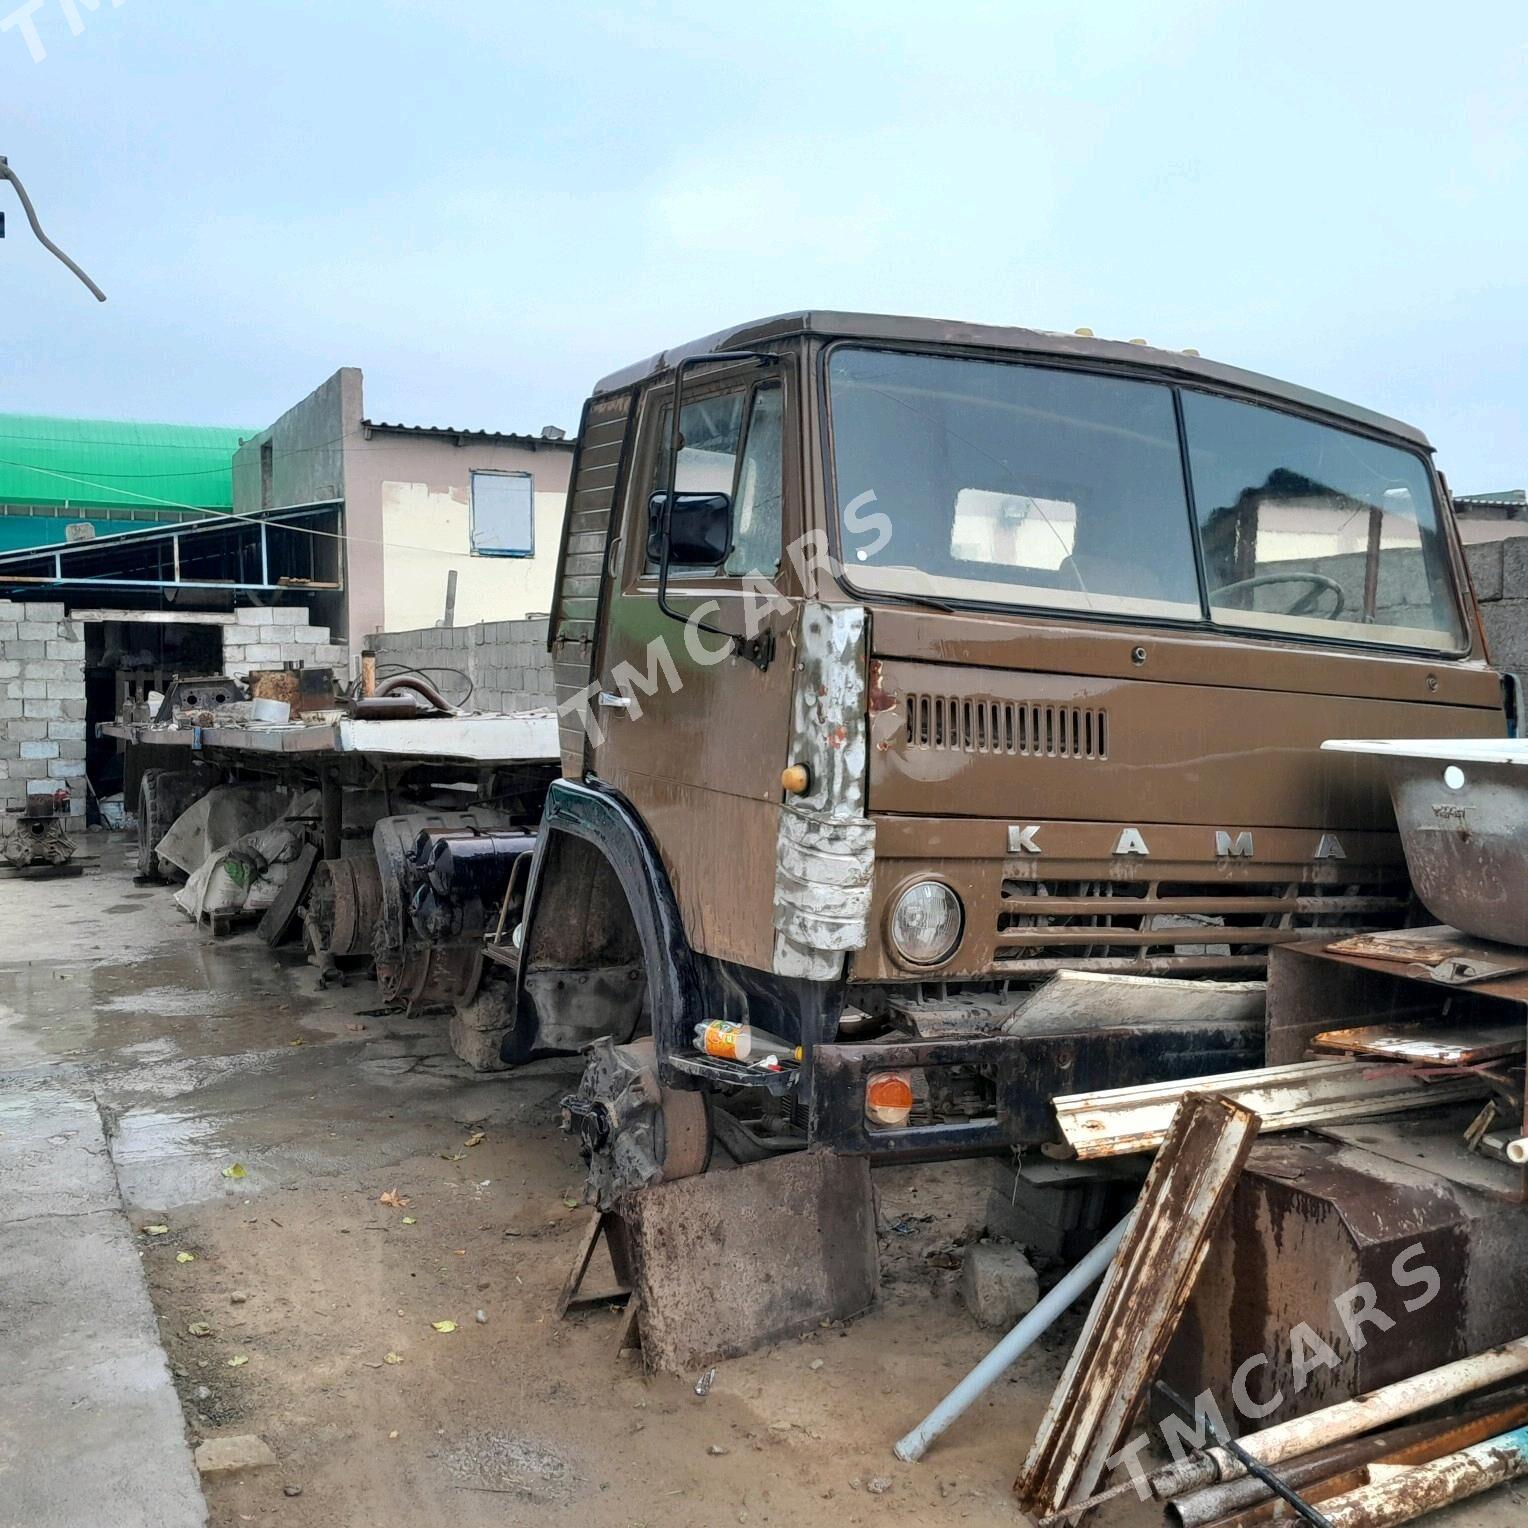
115, 464
451, 432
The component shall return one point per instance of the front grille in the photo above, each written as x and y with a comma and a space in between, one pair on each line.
1160, 927
965, 724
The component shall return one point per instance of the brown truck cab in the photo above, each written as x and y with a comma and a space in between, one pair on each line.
903, 664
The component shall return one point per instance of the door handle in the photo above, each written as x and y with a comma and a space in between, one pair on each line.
614, 702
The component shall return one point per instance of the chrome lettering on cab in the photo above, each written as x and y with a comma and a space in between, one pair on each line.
1229, 843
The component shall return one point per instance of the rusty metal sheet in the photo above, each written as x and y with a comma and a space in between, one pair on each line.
1306, 1093
1413, 946
1428, 1045
825, 851
1140, 1303
1462, 811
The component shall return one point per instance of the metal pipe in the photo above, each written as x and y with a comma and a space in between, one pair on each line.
419, 685
1072, 1286
1415, 1492
1347, 1419
1275, 1483
1415, 1443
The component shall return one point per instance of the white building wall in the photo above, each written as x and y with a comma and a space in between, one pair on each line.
427, 533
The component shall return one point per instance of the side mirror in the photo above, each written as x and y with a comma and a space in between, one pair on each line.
696, 526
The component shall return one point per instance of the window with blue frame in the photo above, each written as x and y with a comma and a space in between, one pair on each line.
503, 514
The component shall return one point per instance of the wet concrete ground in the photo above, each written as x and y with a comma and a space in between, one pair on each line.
204, 1058
259, 1120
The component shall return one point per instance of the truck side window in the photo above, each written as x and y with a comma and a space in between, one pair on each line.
710, 432
756, 532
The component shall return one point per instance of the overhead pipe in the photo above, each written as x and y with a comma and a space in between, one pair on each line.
1075, 1283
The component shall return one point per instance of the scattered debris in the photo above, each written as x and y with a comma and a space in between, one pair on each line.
1120, 1121
156, 1230
225, 1456
238, 1297
704, 1383
444, 1326
392, 1197
481, 1317
236, 1170
199, 1329
185, 1257
1139, 1305
998, 1284
238, 1360
392, 1358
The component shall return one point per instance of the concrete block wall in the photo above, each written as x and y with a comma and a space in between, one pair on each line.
1500, 572
268, 636
507, 661
42, 679
42, 703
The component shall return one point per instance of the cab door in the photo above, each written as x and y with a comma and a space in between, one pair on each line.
689, 730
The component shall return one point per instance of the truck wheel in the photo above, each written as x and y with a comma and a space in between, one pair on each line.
634, 1132
163, 794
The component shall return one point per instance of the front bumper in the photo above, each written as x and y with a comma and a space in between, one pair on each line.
1023, 1072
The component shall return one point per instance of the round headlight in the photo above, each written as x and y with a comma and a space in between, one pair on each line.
925, 923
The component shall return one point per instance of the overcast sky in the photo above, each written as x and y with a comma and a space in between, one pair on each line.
486, 206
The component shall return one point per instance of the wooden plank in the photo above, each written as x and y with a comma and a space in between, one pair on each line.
1140, 1303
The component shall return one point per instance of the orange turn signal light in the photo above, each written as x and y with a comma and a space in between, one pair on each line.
888, 1098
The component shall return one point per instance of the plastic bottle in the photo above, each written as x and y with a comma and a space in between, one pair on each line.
742, 1042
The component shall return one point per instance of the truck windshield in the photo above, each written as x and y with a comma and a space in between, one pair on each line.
1007, 483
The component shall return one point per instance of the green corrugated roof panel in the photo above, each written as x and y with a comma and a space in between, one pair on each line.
115, 464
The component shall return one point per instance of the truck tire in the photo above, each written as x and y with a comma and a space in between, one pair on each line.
163, 794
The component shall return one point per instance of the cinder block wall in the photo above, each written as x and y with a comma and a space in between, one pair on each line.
268, 636
1500, 572
42, 703
507, 661
42, 680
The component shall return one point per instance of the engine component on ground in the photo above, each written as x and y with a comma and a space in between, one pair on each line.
36, 836
634, 1132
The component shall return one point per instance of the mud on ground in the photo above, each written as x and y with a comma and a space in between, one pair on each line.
206, 1057
260, 1121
